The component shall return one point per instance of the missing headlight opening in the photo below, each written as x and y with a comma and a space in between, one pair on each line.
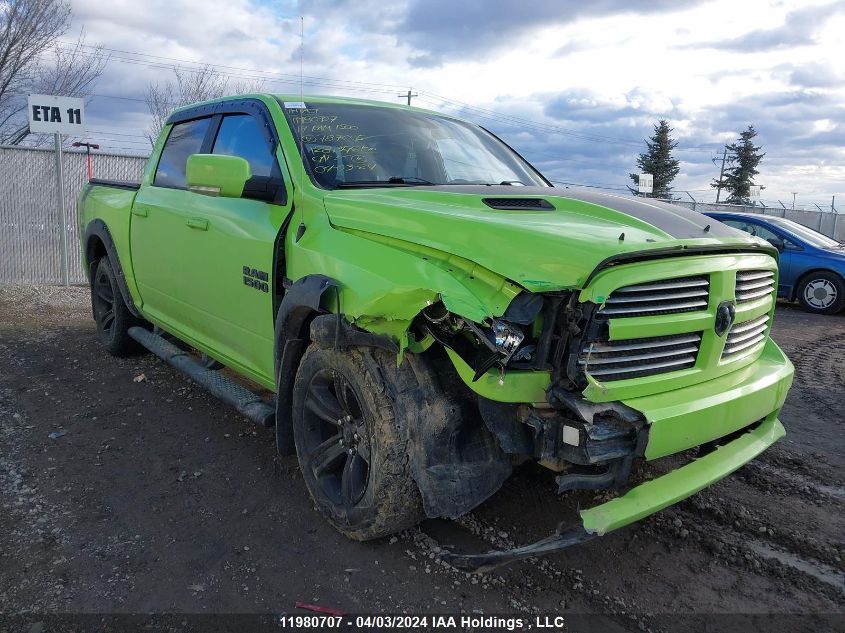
481, 346
536, 332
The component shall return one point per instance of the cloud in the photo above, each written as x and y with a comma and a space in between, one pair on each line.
596, 76
797, 129
444, 30
799, 29
583, 105
812, 75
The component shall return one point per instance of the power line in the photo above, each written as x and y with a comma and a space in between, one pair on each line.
360, 86
201, 67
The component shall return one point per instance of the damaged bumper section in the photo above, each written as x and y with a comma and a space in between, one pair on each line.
640, 501
731, 420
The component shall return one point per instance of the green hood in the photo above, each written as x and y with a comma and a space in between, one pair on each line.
540, 248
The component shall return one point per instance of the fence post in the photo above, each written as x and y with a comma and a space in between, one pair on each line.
60, 198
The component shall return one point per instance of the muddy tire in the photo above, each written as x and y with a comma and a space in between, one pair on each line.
112, 317
345, 428
822, 292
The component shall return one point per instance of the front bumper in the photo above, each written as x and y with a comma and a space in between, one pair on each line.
692, 416
679, 420
640, 501
679, 484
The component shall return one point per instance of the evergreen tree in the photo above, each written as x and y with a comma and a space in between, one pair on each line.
658, 161
740, 176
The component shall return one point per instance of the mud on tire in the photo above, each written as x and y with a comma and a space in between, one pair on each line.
353, 458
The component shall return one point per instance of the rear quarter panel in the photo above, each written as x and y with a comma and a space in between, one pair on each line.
113, 207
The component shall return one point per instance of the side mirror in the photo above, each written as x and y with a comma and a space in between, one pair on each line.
217, 175
777, 243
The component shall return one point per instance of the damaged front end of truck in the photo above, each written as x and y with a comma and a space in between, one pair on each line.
655, 353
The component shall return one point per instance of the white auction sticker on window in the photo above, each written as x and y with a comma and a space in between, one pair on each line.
295, 105
49, 114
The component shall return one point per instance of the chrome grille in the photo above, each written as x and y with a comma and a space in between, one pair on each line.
633, 358
745, 336
666, 296
754, 284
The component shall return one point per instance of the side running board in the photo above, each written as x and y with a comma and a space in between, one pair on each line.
245, 401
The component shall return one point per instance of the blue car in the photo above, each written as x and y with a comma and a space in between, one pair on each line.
812, 265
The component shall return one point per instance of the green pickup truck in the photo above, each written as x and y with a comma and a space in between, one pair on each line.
429, 311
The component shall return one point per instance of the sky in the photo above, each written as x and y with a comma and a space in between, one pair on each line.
574, 86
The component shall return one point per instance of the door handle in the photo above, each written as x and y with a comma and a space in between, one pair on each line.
197, 223
140, 210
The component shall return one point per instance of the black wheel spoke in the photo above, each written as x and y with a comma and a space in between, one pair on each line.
326, 455
354, 480
104, 292
341, 463
107, 319
322, 403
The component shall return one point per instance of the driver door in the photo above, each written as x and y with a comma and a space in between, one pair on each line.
233, 248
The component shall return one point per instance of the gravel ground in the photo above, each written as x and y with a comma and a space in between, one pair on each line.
127, 489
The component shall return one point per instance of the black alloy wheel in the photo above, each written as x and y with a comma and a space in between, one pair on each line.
111, 315
347, 430
336, 438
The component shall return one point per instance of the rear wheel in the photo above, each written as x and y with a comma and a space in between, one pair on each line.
822, 292
353, 460
111, 315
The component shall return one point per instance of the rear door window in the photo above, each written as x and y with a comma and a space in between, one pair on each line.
184, 139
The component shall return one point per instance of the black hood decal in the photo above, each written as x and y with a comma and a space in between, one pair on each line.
677, 221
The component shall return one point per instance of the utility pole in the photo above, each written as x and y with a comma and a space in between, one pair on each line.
60, 196
721, 175
408, 96
794, 193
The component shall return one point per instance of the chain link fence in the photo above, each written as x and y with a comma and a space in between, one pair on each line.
30, 246
826, 222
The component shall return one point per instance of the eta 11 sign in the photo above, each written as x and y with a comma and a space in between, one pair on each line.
56, 115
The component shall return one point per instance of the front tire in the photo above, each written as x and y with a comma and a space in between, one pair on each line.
354, 462
111, 315
822, 292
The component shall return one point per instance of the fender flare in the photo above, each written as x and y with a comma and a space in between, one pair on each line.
300, 304
99, 229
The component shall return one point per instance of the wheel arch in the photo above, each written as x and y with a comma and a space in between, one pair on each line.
302, 302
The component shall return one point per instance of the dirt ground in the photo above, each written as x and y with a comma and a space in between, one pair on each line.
125, 488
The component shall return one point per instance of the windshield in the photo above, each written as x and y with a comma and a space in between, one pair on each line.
813, 238
359, 145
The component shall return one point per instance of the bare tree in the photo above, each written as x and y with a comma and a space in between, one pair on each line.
68, 71
191, 85
33, 60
